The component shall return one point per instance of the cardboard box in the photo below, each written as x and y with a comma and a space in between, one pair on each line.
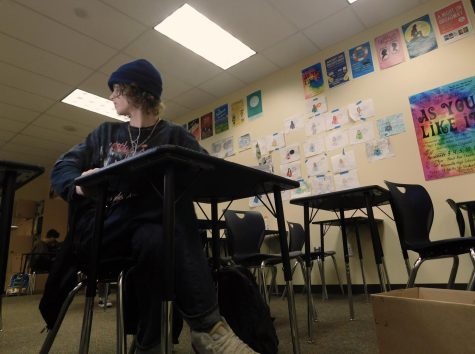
423, 320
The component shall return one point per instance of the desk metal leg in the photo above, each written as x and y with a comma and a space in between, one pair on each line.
287, 269
311, 312
347, 264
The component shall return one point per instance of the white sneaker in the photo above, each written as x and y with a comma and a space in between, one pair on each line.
101, 303
220, 340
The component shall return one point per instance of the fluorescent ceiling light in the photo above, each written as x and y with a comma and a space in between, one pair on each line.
196, 32
351, 1
90, 102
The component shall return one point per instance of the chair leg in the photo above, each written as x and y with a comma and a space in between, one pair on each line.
321, 270
415, 269
261, 271
121, 335
453, 272
50, 337
284, 293
133, 346
471, 283
337, 274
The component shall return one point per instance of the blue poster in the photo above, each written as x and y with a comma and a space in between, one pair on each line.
221, 122
419, 36
337, 71
361, 60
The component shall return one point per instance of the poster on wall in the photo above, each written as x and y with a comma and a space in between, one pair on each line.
194, 128
221, 122
206, 125
453, 22
312, 79
337, 70
237, 113
361, 60
254, 105
444, 121
419, 36
389, 49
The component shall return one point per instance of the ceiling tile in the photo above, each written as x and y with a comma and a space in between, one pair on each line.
174, 110
194, 98
43, 146
290, 50
5, 135
11, 125
60, 125
303, 13
253, 68
20, 98
50, 135
76, 115
17, 113
330, 31
92, 18
51, 36
371, 15
222, 85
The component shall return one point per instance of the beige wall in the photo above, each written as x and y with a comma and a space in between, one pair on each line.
283, 97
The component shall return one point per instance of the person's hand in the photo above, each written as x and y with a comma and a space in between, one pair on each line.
79, 189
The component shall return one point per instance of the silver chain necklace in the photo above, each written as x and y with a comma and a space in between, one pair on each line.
135, 143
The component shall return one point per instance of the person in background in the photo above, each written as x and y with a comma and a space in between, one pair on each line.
44, 252
132, 222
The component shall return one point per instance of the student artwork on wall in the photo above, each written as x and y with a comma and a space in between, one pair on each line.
312, 79
206, 125
315, 125
317, 165
379, 149
322, 184
194, 128
361, 110
389, 49
293, 124
453, 22
290, 153
317, 104
255, 201
337, 70
275, 141
254, 105
391, 125
361, 60
336, 139
343, 162
444, 121
291, 170
346, 180
360, 133
223, 148
221, 122
266, 164
314, 146
419, 36
244, 142
237, 113
303, 190
334, 119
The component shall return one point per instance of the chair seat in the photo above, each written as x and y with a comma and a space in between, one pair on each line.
446, 247
255, 259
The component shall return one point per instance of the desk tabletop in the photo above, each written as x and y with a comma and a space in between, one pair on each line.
207, 178
24, 172
348, 199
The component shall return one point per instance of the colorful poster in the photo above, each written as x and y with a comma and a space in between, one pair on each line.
254, 105
361, 60
194, 128
391, 125
389, 49
312, 79
419, 36
337, 70
444, 120
237, 113
453, 22
206, 125
221, 122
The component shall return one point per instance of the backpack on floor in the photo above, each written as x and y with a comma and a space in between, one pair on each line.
19, 284
246, 312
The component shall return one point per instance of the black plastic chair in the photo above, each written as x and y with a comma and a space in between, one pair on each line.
245, 234
414, 213
458, 216
296, 243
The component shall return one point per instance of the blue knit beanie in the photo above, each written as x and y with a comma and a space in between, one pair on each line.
141, 73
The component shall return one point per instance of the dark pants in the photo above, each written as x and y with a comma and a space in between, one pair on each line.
133, 228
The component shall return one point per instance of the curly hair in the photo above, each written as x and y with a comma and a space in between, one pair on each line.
139, 98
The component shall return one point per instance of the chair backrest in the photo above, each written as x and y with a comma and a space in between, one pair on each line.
245, 231
296, 236
413, 213
458, 216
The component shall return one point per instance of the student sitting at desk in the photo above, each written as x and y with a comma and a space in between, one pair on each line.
132, 224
